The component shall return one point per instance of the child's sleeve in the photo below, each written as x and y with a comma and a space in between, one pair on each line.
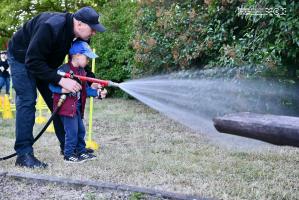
55, 89
91, 92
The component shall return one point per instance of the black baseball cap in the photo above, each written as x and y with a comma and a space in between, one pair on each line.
89, 16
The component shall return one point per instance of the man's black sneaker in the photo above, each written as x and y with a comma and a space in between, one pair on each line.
73, 159
30, 161
86, 156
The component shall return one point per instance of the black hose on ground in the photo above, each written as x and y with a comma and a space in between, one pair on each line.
61, 101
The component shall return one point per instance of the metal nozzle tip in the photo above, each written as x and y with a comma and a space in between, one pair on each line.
113, 84
63, 96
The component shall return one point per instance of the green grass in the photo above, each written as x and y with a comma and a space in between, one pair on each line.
138, 146
136, 196
6, 128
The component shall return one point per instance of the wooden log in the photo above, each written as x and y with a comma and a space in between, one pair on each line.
275, 129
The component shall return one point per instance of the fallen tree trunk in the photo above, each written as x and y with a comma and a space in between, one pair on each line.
275, 129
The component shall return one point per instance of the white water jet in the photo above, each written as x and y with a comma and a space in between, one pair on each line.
195, 102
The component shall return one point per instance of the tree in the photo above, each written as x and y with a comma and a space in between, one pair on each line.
13, 13
114, 47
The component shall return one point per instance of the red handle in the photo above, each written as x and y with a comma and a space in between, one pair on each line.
103, 83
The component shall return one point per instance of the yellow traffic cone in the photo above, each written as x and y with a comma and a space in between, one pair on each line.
40, 119
7, 113
50, 128
39, 106
91, 144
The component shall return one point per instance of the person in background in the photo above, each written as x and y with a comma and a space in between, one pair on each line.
4, 73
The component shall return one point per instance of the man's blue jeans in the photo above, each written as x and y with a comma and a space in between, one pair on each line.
25, 85
5, 81
74, 134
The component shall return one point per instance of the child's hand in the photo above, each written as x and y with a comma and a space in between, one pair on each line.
95, 86
102, 93
63, 90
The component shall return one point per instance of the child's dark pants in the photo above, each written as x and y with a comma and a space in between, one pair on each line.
74, 135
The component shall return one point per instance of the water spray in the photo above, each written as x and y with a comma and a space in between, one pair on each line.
195, 102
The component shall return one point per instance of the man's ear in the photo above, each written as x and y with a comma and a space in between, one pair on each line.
78, 23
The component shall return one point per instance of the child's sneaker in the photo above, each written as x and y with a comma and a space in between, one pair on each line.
86, 156
88, 150
72, 159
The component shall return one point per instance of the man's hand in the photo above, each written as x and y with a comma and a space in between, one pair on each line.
70, 85
2, 69
65, 91
95, 86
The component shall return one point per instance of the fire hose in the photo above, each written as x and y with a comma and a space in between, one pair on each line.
103, 83
60, 102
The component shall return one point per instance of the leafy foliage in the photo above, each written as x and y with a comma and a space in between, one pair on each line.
114, 47
14, 13
175, 35
146, 36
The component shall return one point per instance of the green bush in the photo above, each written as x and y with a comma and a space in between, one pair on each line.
175, 35
114, 46
273, 40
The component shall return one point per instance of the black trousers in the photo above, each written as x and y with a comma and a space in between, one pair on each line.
25, 86
43, 88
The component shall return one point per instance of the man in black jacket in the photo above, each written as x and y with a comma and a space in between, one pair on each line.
35, 52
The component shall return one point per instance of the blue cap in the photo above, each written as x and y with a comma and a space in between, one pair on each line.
81, 47
89, 16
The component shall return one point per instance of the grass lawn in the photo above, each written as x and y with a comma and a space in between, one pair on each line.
141, 147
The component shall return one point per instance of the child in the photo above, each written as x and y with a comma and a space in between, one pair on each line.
71, 112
